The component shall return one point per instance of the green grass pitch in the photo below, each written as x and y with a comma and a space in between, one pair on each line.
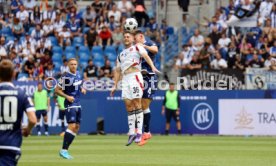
160, 151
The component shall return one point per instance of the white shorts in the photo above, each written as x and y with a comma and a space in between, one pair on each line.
132, 86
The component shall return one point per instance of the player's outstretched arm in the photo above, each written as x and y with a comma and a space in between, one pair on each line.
32, 122
117, 74
153, 49
149, 61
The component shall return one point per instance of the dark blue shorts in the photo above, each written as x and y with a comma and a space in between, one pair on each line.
9, 158
61, 114
40, 113
150, 86
73, 115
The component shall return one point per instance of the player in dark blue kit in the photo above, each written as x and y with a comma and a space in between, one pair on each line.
150, 79
13, 103
70, 87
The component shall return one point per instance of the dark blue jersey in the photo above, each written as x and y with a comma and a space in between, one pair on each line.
13, 103
145, 65
71, 85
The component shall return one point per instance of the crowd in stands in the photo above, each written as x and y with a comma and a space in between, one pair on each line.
230, 47
40, 36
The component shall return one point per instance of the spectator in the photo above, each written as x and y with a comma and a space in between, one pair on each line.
180, 62
272, 50
140, 12
74, 27
98, 6
27, 39
37, 33
213, 24
256, 62
215, 36
270, 63
188, 53
219, 62
254, 34
17, 61
105, 37
59, 5
194, 64
64, 37
71, 5
205, 55
152, 25
48, 28
90, 37
15, 4
29, 65
64, 68
273, 16
45, 44
3, 50
36, 16
232, 52
17, 28
43, 5
50, 13
58, 25
239, 63
28, 51
91, 71
23, 16
101, 23
112, 24
115, 12
108, 5
267, 29
265, 10
125, 7
223, 46
49, 72
106, 70
46, 60
89, 16
171, 108
117, 37
29, 5
197, 40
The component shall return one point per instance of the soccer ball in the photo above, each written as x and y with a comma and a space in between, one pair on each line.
130, 25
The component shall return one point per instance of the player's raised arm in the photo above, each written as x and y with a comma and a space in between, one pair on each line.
153, 49
145, 55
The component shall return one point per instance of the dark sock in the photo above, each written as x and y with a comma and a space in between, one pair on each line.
62, 126
46, 127
68, 139
147, 117
166, 132
38, 128
179, 131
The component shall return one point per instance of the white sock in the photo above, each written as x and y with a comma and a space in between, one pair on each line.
131, 122
139, 120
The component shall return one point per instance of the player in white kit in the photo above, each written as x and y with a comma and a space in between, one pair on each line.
129, 66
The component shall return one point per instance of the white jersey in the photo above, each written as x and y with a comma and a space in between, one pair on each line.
131, 57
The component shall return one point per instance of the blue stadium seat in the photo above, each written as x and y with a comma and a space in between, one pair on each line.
57, 57
57, 49
83, 64
70, 49
112, 64
57, 65
120, 49
98, 57
6, 31
78, 41
69, 55
183, 31
109, 49
97, 50
84, 49
22, 75
111, 56
99, 63
53, 40
84, 56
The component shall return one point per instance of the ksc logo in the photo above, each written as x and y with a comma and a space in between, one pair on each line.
203, 116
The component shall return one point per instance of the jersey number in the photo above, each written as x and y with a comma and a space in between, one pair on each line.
8, 113
135, 90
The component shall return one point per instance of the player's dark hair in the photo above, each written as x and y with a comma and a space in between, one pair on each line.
6, 70
138, 31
